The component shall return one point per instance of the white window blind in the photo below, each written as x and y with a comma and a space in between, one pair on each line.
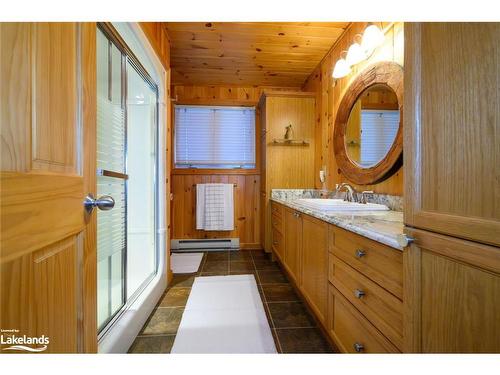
214, 137
378, 131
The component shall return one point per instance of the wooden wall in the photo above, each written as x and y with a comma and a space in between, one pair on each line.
329, 94
247, 193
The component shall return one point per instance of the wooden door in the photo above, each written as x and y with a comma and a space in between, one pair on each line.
48, 252
452, 295
452, 129
293, 243
315, 264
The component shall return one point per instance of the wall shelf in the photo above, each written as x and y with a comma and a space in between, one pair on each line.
290, 142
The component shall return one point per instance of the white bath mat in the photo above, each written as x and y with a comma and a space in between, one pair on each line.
224, 314
185, 263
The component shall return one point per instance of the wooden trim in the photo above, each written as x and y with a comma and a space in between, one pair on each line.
390, 74
412, 320
89, 125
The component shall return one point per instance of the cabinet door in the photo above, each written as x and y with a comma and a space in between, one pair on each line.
315, 264
293, 242
452, 295
452, 129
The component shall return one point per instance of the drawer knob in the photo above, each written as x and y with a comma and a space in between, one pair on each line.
360, 253
358, 347
359, 293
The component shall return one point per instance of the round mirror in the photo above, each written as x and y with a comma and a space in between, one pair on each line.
372, 125
368, 136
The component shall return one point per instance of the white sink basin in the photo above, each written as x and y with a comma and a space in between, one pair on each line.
334, 205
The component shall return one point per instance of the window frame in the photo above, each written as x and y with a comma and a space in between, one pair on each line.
220, 171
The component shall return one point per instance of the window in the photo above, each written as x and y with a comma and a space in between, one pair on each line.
378, 132
214, 137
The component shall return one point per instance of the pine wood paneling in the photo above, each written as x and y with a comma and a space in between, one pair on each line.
329, 93
246, 202
245, 53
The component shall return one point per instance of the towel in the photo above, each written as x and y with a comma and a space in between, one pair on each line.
214, 207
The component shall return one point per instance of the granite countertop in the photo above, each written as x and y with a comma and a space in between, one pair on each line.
380, 226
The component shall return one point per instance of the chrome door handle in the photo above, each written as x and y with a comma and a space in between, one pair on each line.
104, 203
358, 347
359, 293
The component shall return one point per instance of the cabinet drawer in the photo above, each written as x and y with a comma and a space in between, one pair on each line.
278, 244
380, 307
352, 332
277, 210
378, 262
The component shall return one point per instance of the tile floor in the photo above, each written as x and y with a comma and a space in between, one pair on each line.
294, 330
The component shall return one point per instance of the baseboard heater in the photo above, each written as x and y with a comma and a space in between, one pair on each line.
205, 244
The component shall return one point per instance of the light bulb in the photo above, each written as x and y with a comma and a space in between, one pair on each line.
372, 38
355, 54
341, 69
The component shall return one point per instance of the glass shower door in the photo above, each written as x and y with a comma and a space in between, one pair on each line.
127, 126
111, 180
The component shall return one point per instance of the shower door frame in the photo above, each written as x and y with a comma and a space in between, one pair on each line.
129, 57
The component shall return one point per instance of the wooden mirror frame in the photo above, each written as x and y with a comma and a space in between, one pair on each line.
390, 74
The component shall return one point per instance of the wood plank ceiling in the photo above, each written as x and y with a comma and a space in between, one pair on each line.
249, 54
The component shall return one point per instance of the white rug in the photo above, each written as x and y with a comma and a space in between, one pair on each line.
224, 314
185, 263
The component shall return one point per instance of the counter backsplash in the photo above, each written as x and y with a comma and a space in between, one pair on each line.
394, 202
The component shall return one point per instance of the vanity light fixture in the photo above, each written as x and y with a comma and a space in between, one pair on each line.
372, 38
341, 69
357, 52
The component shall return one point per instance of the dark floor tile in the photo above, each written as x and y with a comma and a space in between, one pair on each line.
241, 266
215, 266
217, 255
240, 255
152, 344
290, 315
279, 293
259, 254
164, 320
175, 297
265, 264
272, 277
303, 340
182, 280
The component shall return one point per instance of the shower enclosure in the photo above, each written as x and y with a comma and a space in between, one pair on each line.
127, 165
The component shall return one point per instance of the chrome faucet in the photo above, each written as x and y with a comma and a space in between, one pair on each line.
350, 195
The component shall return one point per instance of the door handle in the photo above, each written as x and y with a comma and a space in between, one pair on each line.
104, 203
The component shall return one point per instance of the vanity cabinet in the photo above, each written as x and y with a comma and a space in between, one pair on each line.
315, 264
293, 244
353, 285
365, 311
